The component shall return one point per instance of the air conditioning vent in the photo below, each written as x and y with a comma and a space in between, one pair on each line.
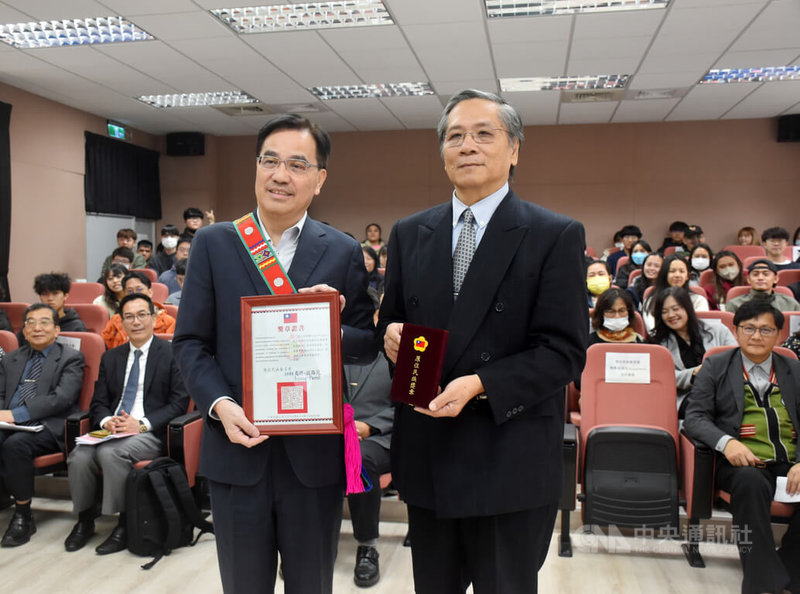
645, 94
592, 95
249, 109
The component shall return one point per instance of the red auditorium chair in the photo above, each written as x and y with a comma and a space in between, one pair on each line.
787, 277
8, 341
747, 251
148, 272
94, 317
706, 278
171, 310
14, 310
84, 293
160, 292
632, 276
724, 317
735, 292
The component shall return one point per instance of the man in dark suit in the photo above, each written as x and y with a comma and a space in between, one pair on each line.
480, 469
39, 385
139, 389
746, 405
369, 387
282, 493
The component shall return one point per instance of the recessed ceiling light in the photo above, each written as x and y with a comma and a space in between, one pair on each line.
407, 89
304, 16
113, 29
565, 83
198, 99
766, 74
515, 8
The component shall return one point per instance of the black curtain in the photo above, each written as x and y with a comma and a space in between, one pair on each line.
5, 198
121, 178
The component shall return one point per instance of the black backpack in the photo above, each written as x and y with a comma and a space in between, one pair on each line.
161, 512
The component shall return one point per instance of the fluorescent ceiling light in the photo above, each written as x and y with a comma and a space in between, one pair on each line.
512, 8
565, 83
304, 16
407, 89
113, 29
198, 99
766, 74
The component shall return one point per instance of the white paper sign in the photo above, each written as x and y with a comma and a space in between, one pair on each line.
70, 341
795, 252
627, 368
781, 494
794, 324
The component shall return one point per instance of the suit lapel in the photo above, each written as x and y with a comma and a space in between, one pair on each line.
434, 274
48, 369
119, 373
15, 367
311, 246
788, 386
362, 378
489, 265
154, 356
259, 284
734, 380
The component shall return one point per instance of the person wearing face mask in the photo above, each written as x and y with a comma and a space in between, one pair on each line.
639, 252
686, 337
727, 273
165, 255
630, 234
699, 260
597, 280
650, 269
613, 317
674, 273
616, 246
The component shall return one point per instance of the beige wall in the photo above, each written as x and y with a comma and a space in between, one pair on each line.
719, 174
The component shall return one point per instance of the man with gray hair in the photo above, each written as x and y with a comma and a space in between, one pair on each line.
480, 467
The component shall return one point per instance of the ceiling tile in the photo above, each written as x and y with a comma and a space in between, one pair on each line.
366, 114
182, 25
415, 112
535, 108
452, 51
413, 12
776, 27
758, 59
767, 100
45, 10
522, 60
529, 29
710, 102
587, 113
612, 25
651, 110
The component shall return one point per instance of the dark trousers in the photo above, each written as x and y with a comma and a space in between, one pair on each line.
752, 490
499, 554
365, 508
17, 451
277, 514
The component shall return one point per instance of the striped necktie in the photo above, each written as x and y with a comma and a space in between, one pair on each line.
28, 389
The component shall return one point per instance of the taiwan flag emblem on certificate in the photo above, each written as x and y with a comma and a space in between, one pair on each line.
290, 318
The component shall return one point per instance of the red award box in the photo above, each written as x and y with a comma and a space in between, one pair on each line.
419, 365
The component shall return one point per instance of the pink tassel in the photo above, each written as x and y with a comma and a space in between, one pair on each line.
352, 453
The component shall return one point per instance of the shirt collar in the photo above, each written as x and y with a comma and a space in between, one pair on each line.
483, 209
46, 350
765, 365
292, 234
145, 348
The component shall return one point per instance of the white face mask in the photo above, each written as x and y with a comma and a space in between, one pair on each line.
169, 242
700, 263
615, 324
619, 244
729, 272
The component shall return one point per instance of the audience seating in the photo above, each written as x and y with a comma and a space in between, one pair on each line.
160, 292
735, 292
15, 310
171, 310
693, 288
94, 317
148, 272
164, 336
706, 278
787, 277
749, 260
84, 293
632, 276
726, 317
590, 252
786, 331
8, 341
670, 250
637, 322
622, 261
746, 251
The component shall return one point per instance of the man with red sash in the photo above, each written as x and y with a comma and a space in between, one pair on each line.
745, 404
277, 494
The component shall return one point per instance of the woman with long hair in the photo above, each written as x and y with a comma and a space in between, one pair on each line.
699, 260
747, 236
674, 273
113, 294
728, 272
650, 269
639, 251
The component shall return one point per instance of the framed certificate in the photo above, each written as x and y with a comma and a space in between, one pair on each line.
292, 363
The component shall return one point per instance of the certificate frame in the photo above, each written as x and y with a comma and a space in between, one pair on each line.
280, 394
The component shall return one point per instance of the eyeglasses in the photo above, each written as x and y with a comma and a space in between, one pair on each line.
44, 322
133, 290
141, 316
295, 166
751, 330
483, 136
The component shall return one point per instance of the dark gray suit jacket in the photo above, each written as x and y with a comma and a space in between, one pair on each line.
716, 402
370, 398
520, 324
59, 385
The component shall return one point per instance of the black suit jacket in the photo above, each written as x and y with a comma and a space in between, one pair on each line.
368, 389
207, 341
59, 385
520, 324
716, 402
165, 395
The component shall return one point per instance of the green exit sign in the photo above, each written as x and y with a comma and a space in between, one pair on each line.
116, 131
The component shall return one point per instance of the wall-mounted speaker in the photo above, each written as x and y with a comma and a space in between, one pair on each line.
186, 144
789, 128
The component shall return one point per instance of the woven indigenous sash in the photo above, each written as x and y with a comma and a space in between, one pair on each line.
265, 260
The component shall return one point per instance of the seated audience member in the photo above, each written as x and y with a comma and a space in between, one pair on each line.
699, 261
53, 290
113, 293
126, 238
375, 287
612, 318
139, 390
744, 404
793, 343
677, 230
762, 275
368, 389
796, 238
123, 256
639, 251
686, 337
180, 274
136, 283
597, 280
145, 249
373, 237
650, 269
193, 220
383, 255
694, 235
617, 244
775, 241
747, 236
674, 273
795, 288
164, 257
169, 277
4, 323
728, 273
630, 234
39, 385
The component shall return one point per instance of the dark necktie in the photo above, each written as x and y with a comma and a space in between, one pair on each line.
32, 380
465, 248
129, 396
